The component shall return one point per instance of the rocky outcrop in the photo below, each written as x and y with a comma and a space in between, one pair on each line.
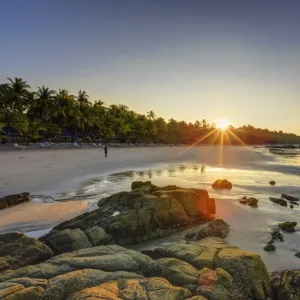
222, 184
286, 285
132, 217
272, 182
18, 250
12, 200
249, 201
210, 269
143, 185
230, 273
215, 228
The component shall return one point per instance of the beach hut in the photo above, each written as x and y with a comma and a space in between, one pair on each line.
65, 134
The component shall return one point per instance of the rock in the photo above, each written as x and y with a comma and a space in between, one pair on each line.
269, 247
270, 242
286, 285
68, 240
249, 201
191, 236
216, 228
210, 269
88, 272
272, 182
222, 184
145, 185
288, 226
142, 289
276, 234
143, 215
214, 284
243, 274
297, 255
294, 203
18, 250
291, 206
281, 202
97, 236
12, 200
289, 198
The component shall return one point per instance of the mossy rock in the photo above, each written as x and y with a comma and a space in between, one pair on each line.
18, 250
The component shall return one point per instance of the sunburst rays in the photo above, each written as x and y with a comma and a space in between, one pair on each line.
222, 135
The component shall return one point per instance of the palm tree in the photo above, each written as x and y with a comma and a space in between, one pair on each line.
44, 104
204, 123
33, 130
17, 91
82, 98
151, 115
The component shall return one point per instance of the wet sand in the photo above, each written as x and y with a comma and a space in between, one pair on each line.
35, 217
50, 171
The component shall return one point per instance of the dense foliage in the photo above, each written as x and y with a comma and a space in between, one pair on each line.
45, 112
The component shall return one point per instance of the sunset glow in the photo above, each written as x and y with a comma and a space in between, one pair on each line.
222, 123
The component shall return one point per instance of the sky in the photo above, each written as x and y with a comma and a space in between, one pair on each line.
187, 59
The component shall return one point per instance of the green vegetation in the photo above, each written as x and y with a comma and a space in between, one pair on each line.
45, 112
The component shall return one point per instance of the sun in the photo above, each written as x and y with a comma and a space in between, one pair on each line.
222, 123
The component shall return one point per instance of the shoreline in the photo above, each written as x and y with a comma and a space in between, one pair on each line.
249, 228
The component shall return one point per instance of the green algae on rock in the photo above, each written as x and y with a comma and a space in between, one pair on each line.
209, 269
18, 250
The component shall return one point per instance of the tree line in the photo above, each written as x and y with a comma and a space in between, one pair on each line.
43, 113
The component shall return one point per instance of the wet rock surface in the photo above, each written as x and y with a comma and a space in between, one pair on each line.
286, 285
242, 268
269, 247
215, 228
207, 269
18, 250
279, 201
132, 217
288, 226
222, 184
253, 202
15, 199
289, 198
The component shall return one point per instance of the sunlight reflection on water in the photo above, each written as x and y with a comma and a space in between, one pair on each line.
246, 182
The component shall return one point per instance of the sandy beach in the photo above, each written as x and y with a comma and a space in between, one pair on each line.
87, 173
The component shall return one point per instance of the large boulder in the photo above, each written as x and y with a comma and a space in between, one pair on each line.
231, 273
18, 250
15, 199
132, 217
286, 285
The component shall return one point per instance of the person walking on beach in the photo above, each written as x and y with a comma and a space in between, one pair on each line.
105, 150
